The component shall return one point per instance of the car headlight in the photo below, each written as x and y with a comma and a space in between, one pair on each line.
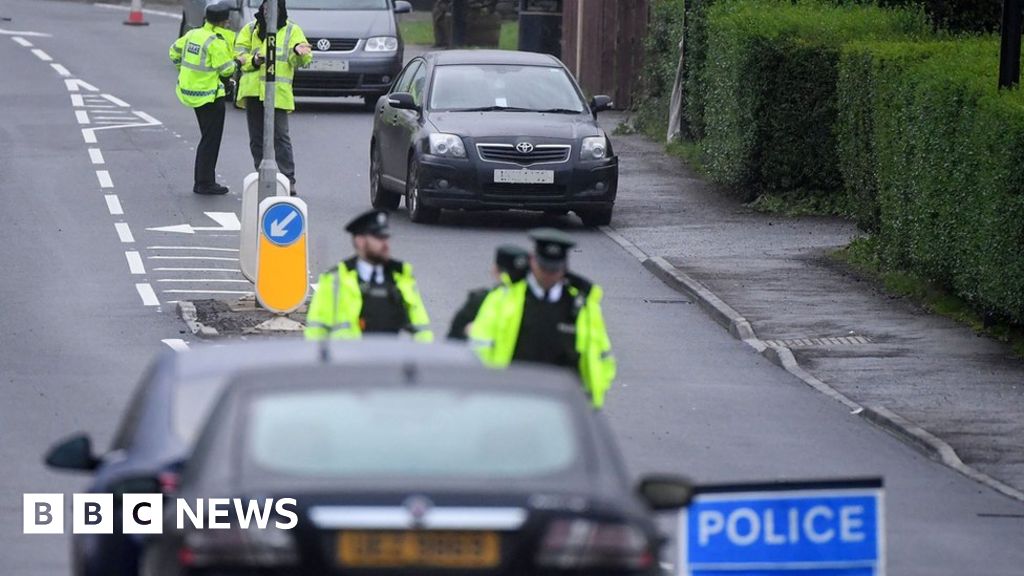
595, 147
382, 44
447, 145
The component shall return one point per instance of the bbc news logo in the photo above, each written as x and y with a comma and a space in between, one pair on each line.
144, 513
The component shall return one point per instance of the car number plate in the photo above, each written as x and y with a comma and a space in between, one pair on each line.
327, 65
524, 176
431, 549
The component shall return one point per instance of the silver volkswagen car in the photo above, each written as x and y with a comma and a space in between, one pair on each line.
357, 48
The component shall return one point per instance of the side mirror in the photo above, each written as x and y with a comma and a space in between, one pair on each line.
402, 7
74, 453
601, 103
662, 492
402, 101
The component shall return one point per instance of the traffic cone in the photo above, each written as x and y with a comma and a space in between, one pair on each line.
135, 16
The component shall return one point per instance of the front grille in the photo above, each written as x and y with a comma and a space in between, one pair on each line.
326, 81
541, 154
523, 192
337, 44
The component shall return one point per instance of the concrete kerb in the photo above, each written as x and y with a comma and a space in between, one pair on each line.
741, 329
188, 313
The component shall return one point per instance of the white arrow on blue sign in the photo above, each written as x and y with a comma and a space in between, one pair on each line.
282, 224
833, 528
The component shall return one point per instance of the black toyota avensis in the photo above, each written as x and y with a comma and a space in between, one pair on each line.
416, 468
491, 130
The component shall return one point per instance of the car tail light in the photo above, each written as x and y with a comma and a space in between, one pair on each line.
267, 547
588, 544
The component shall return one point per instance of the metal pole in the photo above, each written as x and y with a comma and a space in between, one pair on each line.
458, 23
1009, 51
268, 167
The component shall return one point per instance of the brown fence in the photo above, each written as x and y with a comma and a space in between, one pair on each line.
602, 43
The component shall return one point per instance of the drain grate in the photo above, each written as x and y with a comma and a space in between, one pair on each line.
819, 342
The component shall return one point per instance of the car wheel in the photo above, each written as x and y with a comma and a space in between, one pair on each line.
418, 213
599, 217
380, 198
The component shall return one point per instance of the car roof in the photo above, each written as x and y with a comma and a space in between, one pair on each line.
448, 57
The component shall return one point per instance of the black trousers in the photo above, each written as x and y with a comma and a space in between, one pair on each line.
282, 140
211, 128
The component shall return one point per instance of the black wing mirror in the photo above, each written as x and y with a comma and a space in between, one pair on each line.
663, 492
601, 103
402, 7
402, 101
74, 453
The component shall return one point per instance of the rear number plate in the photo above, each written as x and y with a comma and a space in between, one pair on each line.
524, 176
328, 66
373, 549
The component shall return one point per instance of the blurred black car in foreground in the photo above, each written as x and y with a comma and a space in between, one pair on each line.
487, 130
409, 468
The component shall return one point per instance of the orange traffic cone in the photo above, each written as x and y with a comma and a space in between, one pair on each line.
135, 16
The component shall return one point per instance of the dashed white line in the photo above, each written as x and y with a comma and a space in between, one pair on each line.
213, 280
211, 258
42, 55
115, 100
96, 155
135, 265
89, 136
114, 205
148, 295
104, 177
176, 344
77, 101
74, 84
191, 248
82, 116
124, 232
60, 69
22, 41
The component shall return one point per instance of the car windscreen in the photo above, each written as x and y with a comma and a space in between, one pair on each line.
192, 400
331, 4
410, 433
471, 87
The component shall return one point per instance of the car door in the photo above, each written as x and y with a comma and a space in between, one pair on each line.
389, 132
408, 121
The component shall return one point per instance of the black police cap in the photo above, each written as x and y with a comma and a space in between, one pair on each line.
512, 260
373, 223
551, 247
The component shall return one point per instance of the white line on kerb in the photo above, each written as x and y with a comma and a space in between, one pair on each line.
104, 177
176, 344
96, 155
42, 55
148, 296
77, 101
82, 116
124, 233
135, 265
114, 205
60, 69
22, 41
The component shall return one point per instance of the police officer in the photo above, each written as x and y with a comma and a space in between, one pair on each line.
293, 51
551, 317
203, 58
368, 293
510, 265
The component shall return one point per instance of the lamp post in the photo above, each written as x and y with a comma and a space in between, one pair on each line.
268, 167
1009, 51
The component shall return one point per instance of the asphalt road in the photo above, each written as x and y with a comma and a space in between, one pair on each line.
88, 292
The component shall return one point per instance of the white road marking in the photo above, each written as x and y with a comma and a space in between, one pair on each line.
191, 248
60, 69
228, 223
152, 121
42, 55
176, 344
77, 101
213, 280
115, 100
74, 84
114, 205
22, 33
82, 116
104, 177
210, 258
124, 233
135, 264
231, 270
89, 135
148, 295
144, 10
96, 155
108, 122
22, 41
208, 292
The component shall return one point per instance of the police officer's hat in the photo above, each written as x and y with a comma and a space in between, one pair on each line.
551, 248
512, 260
372, 223
218, 10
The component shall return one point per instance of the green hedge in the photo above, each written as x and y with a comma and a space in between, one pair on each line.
769, 89
946, 147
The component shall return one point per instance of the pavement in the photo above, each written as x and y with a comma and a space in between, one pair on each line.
908, 368
95, 262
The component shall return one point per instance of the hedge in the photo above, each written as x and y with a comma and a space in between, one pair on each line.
769, 89
946, 147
